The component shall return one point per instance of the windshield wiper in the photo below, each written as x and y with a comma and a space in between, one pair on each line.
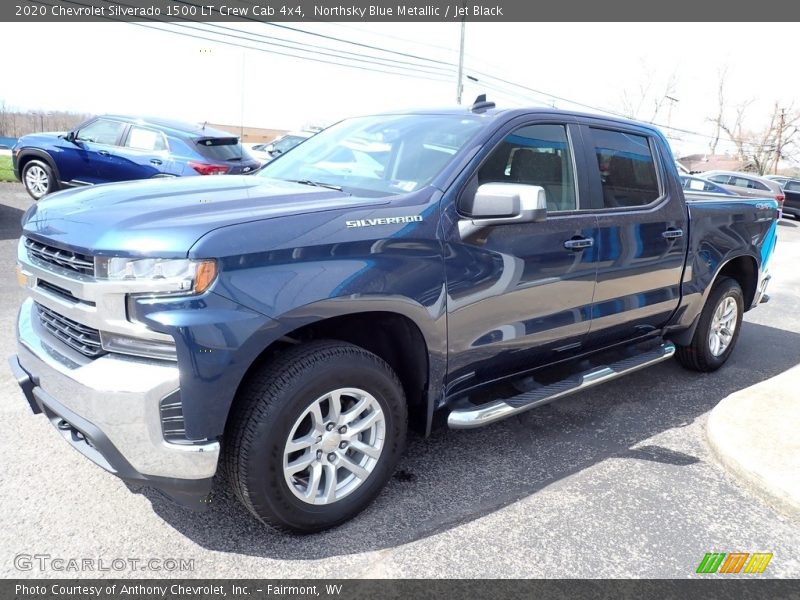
330, 186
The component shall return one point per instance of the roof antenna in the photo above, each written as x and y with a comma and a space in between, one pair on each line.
481, 104
204, 125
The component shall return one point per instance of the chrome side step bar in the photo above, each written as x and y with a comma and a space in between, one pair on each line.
478, 416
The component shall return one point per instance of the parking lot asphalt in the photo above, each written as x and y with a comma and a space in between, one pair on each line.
618, 481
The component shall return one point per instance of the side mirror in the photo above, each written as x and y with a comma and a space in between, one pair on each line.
70, 136
504, 204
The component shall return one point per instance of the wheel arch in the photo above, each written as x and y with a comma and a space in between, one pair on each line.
394, 337
743, 268
28, 154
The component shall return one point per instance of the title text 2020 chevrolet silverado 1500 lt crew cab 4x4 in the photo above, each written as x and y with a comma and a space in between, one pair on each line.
286, 327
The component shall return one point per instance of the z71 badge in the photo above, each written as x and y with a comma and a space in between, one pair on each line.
383, 221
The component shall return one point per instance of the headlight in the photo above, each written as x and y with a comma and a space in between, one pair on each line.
173, 274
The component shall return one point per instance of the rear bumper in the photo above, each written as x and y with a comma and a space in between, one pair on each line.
109, 410
761, 291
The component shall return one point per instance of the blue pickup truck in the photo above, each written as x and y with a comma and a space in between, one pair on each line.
412, 269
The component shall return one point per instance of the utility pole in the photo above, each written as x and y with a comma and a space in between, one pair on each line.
780, 141
241, 113
459, 83
672, 102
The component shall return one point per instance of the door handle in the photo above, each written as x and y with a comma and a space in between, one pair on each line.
579, 243
104, 153
672, 233
155, 161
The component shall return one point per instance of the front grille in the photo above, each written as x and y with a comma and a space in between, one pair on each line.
79, 337
66, 259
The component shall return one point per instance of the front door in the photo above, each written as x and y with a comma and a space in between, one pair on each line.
520, 294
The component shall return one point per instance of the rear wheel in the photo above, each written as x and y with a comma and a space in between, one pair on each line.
717, 330
315, 436
38, 178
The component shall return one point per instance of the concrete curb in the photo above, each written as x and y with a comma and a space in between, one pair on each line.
755, 434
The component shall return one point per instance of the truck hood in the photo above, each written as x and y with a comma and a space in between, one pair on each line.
165, 217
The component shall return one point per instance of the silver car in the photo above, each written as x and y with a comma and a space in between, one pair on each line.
747, 184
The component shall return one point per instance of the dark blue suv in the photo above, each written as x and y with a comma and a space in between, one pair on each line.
116, 148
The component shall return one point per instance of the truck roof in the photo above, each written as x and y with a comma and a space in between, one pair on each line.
509, 113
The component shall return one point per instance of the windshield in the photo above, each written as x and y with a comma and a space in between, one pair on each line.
380, 155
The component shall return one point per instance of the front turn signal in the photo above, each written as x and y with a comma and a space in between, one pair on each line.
205, 275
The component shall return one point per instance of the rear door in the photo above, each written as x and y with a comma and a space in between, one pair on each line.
143, 154
642, 227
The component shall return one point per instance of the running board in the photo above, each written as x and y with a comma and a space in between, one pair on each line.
478, 416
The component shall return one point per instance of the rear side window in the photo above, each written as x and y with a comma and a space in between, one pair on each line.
750, 184
535, 155
627, 169
792, 186
220, 148
101, 131
140, 138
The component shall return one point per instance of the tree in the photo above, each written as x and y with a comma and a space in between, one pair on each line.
645, 103
760, 149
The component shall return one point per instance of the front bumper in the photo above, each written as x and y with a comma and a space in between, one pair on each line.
109, 410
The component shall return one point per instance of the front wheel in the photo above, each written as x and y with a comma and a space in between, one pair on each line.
38, 178
717, 330
315, 436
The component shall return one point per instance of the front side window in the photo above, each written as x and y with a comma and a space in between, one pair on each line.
535, 155
719, 178
101, 131
140, 138
377, 156
627, 168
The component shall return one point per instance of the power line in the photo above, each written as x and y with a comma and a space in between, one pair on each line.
333, 38
403, 70
436, 71
406, 73
336, 54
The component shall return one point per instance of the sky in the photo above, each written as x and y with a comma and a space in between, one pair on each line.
134, 69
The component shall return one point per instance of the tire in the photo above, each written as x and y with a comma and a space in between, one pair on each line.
38, 179
702, 354
275, 406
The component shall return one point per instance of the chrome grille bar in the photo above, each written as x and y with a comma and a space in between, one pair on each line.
78, 337
66, 259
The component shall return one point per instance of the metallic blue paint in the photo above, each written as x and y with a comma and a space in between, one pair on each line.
490, 305
83, 162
